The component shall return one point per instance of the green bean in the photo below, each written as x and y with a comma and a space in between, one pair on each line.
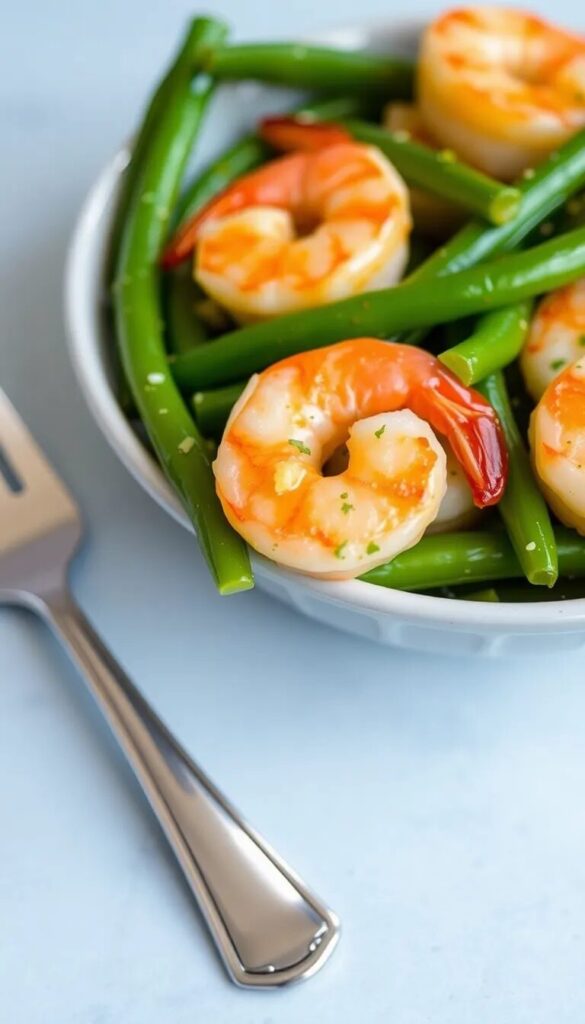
184, 329
450, 559
120, 385
568, 216
129, 178
338, 108
212, 408
381, 314
522, 507
496, 340
315, 68
544, 190
440, 172
171, 429
138, 150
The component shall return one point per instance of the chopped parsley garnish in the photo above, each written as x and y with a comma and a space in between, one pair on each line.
581, 341
302, 448
372, 548
379, 432
339, 549
344, 495
346, 507
557, 364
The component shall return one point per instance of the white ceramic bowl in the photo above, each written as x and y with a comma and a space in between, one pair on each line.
430, 624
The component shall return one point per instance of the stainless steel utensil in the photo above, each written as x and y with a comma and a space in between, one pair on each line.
268, 927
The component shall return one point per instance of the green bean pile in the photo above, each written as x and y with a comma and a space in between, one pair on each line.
186, 363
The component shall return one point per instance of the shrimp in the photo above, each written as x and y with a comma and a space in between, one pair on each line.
557, 440
431, 215
556, 337
502, 87
375, 396
306, 229
457, 510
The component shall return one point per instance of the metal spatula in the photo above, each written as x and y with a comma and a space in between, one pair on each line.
268, 927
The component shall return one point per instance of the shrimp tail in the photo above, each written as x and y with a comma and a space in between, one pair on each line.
182, 243
301, 134
275, 184
473, 429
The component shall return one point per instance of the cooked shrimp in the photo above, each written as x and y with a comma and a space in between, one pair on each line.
557, 438
457, 510
295, 414
502, 87
556, 337
306, 229
430, 214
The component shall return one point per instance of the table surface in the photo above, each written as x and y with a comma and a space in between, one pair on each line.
436, 804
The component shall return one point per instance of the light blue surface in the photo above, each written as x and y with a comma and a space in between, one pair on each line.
436, 804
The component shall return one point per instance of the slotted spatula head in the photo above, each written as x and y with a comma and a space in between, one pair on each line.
40, 525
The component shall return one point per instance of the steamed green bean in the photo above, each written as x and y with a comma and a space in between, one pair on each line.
213, 407
316, 68
495, 341
441, 173
179, 446
475, 556
184, 329
522, 507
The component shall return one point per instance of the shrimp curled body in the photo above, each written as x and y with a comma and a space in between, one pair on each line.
556, 337
557, 439
306, 229
502, 87
294, 415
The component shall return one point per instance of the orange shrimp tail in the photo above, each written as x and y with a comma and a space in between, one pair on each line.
276, 184
299, 134
472, 428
